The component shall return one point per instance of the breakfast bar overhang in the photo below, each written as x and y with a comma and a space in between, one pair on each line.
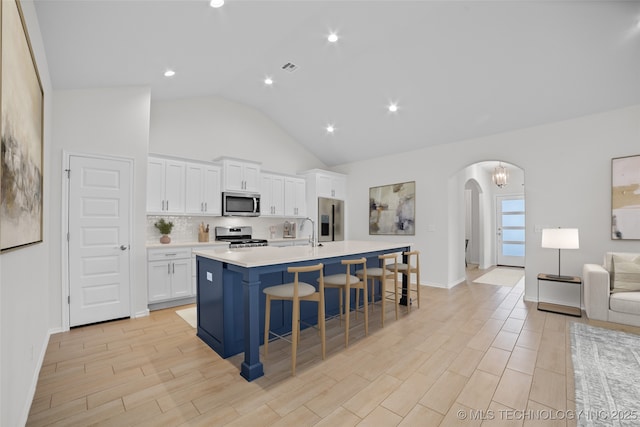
230, 282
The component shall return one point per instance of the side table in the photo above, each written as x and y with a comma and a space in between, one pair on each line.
549, 280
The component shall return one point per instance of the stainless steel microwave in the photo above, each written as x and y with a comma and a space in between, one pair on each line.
240, 204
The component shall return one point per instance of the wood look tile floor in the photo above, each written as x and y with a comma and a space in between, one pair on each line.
475, 351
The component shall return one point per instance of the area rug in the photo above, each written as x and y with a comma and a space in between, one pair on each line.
190, 315
501, 276
606, 366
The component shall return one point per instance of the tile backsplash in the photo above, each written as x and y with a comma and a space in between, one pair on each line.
185, 228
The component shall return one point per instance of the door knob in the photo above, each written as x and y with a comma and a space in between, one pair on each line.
123, 247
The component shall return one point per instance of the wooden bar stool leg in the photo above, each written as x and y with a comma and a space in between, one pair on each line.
395, 293
340, 304
373, 293
294, 334
347, 308
408, 292
267, 318
365, 298
383, 293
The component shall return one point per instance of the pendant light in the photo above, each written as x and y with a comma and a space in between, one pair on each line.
500, 176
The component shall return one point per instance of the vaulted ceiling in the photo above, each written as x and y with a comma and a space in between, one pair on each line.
456, 69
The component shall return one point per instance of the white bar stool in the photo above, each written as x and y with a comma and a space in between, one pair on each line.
296, 291
381, 274
344, 283
408, 269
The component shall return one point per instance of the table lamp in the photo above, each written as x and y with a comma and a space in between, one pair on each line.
560, 238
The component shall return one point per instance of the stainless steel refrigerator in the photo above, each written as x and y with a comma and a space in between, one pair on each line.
330, 219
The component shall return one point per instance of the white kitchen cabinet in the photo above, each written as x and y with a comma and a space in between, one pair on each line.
295, 199
169, 274
165, 186
322, 183
239, 175
272, 201
202, 189
331, 185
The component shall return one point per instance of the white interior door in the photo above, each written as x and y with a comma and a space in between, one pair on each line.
510, 233
99, 230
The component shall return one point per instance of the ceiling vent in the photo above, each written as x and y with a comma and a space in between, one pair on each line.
290, 67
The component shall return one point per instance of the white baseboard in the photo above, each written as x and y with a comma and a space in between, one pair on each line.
143, 313
36, 375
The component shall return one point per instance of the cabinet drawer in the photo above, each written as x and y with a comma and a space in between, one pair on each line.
174, 253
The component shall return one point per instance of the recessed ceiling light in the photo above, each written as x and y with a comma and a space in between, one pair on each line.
169, 73
393, 107
216, 3
330, 128
268, 81
333, 37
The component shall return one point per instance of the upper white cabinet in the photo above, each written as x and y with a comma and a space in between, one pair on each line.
295, 200
333, 186
272, 194
239, 175
321, 183
165, 186
328, 184
202, 189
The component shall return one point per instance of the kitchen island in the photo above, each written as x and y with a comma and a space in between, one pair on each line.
230, 298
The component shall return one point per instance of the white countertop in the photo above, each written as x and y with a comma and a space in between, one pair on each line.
271, 255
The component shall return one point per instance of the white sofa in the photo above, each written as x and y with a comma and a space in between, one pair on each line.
599, 300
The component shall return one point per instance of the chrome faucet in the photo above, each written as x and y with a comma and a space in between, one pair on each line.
313, 240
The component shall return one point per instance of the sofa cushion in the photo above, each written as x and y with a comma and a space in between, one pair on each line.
625, 274
608, 258
625, 302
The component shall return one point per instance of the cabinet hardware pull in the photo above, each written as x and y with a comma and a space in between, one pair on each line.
206, 208
169, 268
173, 264
174, 254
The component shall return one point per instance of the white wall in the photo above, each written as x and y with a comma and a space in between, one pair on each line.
111, 122
567, 167
210, 127
24, 281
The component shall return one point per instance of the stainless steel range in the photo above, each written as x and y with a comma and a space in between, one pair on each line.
238, 237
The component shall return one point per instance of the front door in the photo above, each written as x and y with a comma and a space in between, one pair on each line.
510, 230
99, 230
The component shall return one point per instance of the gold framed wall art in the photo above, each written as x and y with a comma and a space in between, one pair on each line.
21, 133
392, 209
625, 198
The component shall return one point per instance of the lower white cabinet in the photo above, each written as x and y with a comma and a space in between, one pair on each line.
169, 274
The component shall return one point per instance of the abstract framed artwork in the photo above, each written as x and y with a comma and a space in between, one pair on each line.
625, 198
21, 130
392, 209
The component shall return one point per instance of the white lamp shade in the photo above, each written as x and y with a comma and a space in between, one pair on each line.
560, 238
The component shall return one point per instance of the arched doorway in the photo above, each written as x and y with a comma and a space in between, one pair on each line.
494, 223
